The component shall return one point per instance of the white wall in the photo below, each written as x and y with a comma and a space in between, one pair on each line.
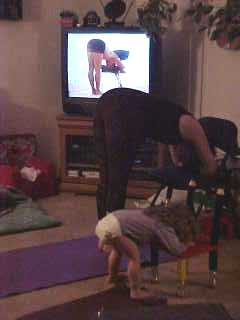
30, 77
201, 75
221, 94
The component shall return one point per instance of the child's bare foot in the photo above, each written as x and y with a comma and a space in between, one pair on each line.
121, 276
147, 297
119, 280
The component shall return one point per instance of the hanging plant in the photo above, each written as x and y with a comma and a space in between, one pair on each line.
155, 16
221, 23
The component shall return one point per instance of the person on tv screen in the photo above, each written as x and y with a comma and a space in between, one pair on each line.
124, 118
97, 52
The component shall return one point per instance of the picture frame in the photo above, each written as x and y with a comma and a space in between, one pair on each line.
11, 9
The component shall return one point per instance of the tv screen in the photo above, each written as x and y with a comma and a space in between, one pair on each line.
97, 60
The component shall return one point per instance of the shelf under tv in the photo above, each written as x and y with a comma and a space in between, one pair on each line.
139, 186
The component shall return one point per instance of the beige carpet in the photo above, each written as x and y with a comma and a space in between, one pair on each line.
77, 212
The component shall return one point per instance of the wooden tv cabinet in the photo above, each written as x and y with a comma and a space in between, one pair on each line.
77, 156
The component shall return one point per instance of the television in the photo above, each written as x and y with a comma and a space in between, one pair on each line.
138, 55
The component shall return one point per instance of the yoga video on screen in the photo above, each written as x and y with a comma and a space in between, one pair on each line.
98, 62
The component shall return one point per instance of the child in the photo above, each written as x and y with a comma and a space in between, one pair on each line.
123, 231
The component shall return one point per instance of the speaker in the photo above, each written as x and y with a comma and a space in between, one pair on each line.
11, 9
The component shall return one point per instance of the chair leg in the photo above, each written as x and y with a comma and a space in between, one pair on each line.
119, 80
191, 188
154, 263
182, 269
154, 248
152, 204
168, 196
212, 279
155, 274
213, 255
235, 218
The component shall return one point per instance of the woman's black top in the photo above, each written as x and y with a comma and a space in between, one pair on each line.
161, 117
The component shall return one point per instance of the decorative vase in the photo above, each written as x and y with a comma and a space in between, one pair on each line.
68, 22
223, 41
69, 19
235, 44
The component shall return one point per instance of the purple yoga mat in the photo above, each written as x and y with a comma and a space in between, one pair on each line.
44, 266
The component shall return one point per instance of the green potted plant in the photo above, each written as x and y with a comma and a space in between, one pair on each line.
222, 23
69, 18
155, 16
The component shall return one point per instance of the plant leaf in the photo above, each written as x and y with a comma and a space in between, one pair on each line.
207, 9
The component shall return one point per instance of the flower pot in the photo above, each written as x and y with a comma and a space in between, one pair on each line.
222, 40
235, 44
68, 22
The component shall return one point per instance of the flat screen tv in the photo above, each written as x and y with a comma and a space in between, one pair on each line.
138, 57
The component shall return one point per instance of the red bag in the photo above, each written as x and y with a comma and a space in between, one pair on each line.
44, 185
7, 175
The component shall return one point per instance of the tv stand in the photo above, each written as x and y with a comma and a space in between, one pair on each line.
78, 165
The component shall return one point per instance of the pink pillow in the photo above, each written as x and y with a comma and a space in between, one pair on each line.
7, 175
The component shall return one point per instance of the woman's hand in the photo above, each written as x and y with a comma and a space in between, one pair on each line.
193, 133
176, 155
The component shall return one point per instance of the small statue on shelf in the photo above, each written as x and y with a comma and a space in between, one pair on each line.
91, 19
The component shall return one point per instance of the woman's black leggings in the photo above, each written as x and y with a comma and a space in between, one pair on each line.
119, 128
